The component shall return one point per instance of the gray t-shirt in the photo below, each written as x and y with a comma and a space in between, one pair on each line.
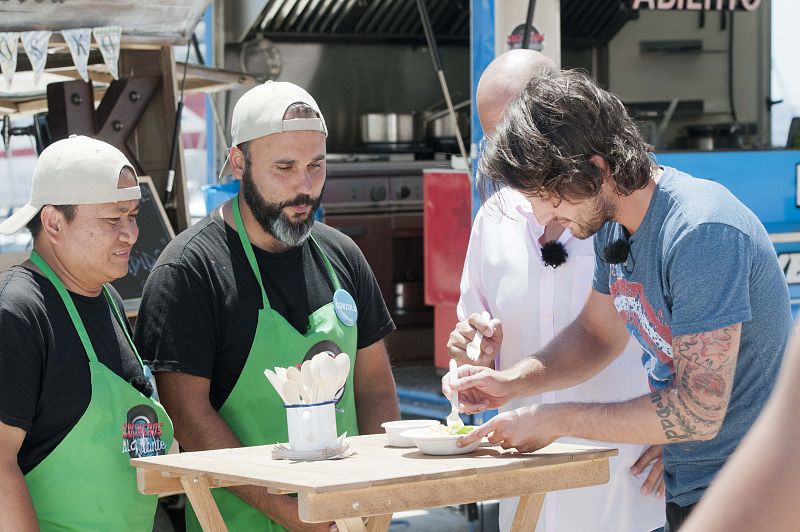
700, 261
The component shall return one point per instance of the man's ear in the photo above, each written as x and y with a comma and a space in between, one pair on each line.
52, 221
601, 164
236, 158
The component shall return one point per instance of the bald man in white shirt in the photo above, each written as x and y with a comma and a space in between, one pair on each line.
531, 296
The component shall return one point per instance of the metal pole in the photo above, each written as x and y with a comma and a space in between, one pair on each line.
437, 65
526, 37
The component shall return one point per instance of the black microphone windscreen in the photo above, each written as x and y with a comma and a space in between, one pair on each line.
554, 254
617, 252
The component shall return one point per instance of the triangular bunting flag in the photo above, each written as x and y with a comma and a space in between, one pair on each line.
8, 55
35, 44
107, 39
78, 41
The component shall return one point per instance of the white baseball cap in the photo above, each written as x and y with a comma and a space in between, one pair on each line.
74, 171
259, 112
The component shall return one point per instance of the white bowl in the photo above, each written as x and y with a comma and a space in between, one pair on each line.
394, 428
437, 443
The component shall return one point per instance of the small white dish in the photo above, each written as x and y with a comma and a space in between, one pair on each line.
438, 443
395, 428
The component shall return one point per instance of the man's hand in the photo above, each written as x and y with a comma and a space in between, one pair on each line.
526, 429
463, 334
479, 388
654, 483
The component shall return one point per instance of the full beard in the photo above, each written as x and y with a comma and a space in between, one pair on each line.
273, 220
603, 212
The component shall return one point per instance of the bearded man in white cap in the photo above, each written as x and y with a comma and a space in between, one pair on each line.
259, 284
533, 279
70, 377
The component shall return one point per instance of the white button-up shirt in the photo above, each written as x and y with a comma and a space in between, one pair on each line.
504, 275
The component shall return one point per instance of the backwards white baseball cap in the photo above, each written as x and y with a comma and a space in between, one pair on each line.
74, 171
260, 111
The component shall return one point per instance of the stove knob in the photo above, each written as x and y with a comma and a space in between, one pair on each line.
404, 193
377, 193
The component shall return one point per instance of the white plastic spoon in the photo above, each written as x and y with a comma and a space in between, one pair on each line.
291, 392
317, 387
308, 381
293, 374
276, 382
329, 374
474, 347
454, 422
343, 364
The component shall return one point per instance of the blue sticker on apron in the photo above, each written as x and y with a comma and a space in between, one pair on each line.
345, 307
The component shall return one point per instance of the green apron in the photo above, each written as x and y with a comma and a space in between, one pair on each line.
87, 482
253, 410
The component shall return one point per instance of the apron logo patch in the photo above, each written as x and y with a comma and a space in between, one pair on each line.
141, 433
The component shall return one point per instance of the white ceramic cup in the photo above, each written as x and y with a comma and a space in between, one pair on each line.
312, 427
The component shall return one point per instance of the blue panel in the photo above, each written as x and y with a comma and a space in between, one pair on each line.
762, 180
482, 53
765, 181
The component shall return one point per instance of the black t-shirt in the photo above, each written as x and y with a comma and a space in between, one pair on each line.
45, 385
200, 305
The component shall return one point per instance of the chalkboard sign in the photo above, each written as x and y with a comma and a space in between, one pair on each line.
155, 232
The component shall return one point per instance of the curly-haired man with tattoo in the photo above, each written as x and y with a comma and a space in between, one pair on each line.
681, 265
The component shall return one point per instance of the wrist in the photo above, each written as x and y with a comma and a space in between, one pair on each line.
523, 377
568, 418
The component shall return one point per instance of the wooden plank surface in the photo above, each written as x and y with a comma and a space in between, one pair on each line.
375, 465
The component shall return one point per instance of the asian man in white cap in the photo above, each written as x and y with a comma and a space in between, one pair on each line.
259, 284
73, 393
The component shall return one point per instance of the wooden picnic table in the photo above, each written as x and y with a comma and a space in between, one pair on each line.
379, 480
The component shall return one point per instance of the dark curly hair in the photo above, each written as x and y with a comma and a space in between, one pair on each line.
543, 143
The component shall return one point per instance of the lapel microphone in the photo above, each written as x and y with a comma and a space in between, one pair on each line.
618, 251
554, 254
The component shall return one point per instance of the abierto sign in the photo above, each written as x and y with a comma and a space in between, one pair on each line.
697, 5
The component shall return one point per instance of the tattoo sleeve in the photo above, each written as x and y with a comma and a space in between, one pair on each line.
694, 407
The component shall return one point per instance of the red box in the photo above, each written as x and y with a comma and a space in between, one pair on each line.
447, 224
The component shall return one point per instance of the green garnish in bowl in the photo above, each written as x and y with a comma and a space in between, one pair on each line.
465, 430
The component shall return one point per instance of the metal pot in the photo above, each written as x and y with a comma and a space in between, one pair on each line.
443, 128
440, 125
390, 127
724, 136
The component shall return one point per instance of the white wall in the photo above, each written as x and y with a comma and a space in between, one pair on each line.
785, 67
546, 17
696, 76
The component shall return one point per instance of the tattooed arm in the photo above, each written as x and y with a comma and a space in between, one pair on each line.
731, 504
695, 406
692, 409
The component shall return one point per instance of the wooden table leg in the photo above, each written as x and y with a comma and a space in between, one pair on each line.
204, 505
352, 524
379, 523
527, 514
